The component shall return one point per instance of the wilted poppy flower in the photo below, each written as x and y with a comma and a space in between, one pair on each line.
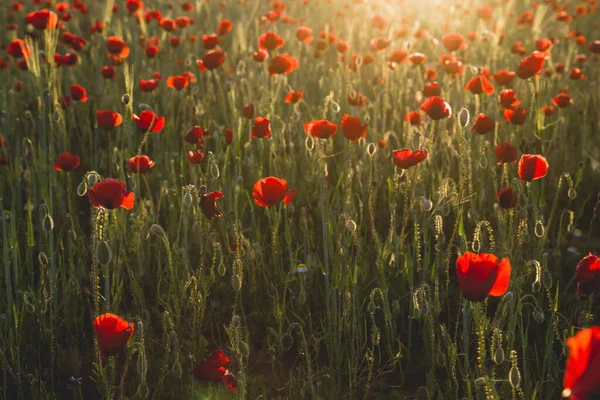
588, 276
436, 108
115, 45
214, 368
483, 124
507, 198
42, 19
320, 129
108, 119
304, 34
210, 41
505, 153
208, 204
454, 41
113, 333
532, 167
504, 77
356, 99
148, 85
261, 127
178, 82
66, 162
271, 190
582, 370
78, 93
508, 99
531, 65
480, 84
270, 41
413, 117
406, 158
282, 64
417, 58
140, 164
196, 156
562, 100
212, 60
224, 27
353, 128
18, 48
110, 193
481, 275
293, 97
147, 121
516, 116
548, 110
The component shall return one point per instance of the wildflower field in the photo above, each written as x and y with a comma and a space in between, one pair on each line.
299, 199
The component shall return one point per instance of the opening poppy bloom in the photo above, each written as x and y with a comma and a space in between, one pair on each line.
208, 204
480, 84
531, 65
42, 19
436, 108
270, 41
516, 116
481, 275
214, 369
353, 128
224, 27
113, 333
320, 129
272, 190
508, 99
178, 82
196, 157
406, 158
293, 97
504, 77
108, 119
282, 64
413, 117
261, 127
148, 85
140, 164
505, 153
110, 193
115, 45
18, 48
304, 34
454, 41
66, 162
532, 167
212, 60
78, 93
588, 276
562, 100
507, 198
147, 121
582, 370
483, 124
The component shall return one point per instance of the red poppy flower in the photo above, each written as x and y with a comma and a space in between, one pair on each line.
505, 153
140, 164
66, 162
260, 55
356, 99
148, 85
178, 82
430, 74
134, 5
508, 99
398, 56
531, 65
282, 64
406, 158
183, 22
576, 74
543, 44
432, 89
194, 135
78, 93
210, 41
113, 333
378, 22
196, 157
115, 45
379, 43
42, 19
270, 41
320, 129
304, 34
507, 198
110, 193
108, 72
504, 77
413, 117
214, 368
261, 127
481, 275
151, 51
353, 128
18, 48
168, 24
271, 190
588, 276
562, 100
480, 84
516, 116
248, 111
594, 47
147, 121
417, 58
483, 124
208, 204
293, 97
454, 41
436, 108
224, 27
108, 119
532, 167
582, 370
212, 60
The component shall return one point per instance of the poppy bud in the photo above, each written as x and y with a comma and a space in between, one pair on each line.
157, 230
92, 178
125, 99
463, 117
499, 354
481, 381
103, 253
